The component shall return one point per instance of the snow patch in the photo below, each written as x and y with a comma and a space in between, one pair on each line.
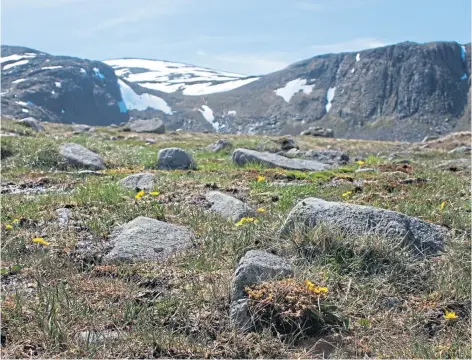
358, 57
330, 97
18, 81
22, 103
83, 71
53, 92
464, 77
25, 110
18, 63
293, 87
207, 113
352, 71
122, 106
17, 57
141, 102
463, 51
98, 73
232, 113
51, 67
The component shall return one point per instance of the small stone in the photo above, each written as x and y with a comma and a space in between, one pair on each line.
220, 145
228, 207
150, 141
141, 181
63, 216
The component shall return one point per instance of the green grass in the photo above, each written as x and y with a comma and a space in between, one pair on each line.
180, 308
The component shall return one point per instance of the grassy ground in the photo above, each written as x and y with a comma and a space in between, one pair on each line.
391, 306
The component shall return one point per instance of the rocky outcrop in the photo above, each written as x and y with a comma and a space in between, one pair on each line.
59, 88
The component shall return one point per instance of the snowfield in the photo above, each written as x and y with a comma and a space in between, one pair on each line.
133, 101
293, 87
170, 77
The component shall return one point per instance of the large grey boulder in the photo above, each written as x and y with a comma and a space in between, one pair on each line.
82, 128
81, 157
318, 131
228, 207
146, 239
174, 159
355, 220
332, 157
32, 123
147, 126
254, 267
141, 181
288, 143
220, 145
245, 156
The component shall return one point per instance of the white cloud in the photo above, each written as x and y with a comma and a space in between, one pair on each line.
352, 45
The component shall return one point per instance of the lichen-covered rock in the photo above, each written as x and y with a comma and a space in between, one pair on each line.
141, 181
242, 157
79, 156
146, 239
228, 207
175, 159
147, 126
421, 237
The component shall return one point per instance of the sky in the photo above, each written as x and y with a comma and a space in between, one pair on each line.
244, 36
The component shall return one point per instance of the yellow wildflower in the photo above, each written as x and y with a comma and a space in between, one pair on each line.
347, 193
360, 162
16, 221
154, 193
8, 227
443, 205
139, 195
260, 178
246, 220
450, 315
261, 210
40, 241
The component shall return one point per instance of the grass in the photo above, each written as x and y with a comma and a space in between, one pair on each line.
390, 305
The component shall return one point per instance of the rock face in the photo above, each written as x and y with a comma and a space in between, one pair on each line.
81, 157
174, 159
59, 88
228, 207
220, 145
254, 267
147, 126
421, 237
146, 239
245, 156
142, 181
331, 157
32, 123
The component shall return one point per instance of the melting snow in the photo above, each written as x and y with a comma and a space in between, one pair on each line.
207, 113
463, 51
143, 101
464, 77
53, 92
51, 67
122, 106
232, 113
293, 87
358, 57
98, 74
22, 103
25, 110
83, 71
170, 77
18, 81
352, 70
58, 84
330, 97
17, 57
18, 63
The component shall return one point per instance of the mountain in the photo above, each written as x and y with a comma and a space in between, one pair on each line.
59, 88
398, 92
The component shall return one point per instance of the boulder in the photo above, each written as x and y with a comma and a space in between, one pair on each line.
294, 153
150, 141
242, 157
174, 159
141, 181
332, 157
81, 128
220, 145
288, 143
146, 239
421, 237
318, 131
147, 126
81, 157
254, 267
228, 207
32, 123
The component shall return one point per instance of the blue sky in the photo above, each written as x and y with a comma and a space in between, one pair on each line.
245, 36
